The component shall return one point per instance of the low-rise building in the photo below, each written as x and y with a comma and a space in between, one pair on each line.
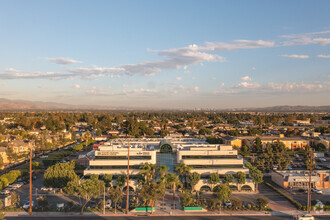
202, 157
300, 178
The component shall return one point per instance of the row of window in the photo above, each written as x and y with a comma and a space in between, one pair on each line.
185, 157
124, 157
194, 167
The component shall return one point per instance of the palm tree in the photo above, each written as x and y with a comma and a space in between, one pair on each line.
116, 196
173, 181
194, 179
223, 193
162, 170
183, 171
148, 171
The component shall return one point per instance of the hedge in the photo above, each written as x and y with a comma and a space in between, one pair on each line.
9, 178
294, 202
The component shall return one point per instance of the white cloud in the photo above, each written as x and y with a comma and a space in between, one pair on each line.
306, 38
323, 56
77, 86
11, 70
196, 88
178, 78
62, 60
21, 74
295, 56
248, 85
246, 78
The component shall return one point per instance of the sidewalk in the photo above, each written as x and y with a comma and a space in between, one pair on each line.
157, 213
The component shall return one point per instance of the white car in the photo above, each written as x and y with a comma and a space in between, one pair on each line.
44, 156
305, 217
5, 192
46, 189
108, 204
323, 160
228, 203
27, 205
17, 185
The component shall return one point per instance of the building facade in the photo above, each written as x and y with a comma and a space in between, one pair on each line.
202, 157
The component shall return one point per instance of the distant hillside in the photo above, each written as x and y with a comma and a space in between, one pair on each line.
6, 104
22, 105
287, 108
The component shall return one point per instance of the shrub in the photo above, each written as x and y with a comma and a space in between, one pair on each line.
236, 202
262, 202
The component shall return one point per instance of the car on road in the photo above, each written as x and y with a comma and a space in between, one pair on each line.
44, 156
27, 205
305, 217
318, 168
316, 191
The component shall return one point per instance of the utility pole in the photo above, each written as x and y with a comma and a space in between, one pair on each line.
310, 181
30, 208
104, 199
127, 187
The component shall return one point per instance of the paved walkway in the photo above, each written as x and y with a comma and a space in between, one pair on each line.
176, 213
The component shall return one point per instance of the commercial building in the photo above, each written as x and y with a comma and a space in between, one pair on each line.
291, 143
300, 178
204, 158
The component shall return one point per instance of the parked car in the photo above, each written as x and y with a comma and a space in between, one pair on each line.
27, 205
17, 185
228, 203
108, 204
44, 156
318, 168
5, 192
46, 189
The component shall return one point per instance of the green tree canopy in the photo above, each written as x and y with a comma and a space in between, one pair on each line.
59, 175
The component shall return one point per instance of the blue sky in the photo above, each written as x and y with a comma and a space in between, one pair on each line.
166, 54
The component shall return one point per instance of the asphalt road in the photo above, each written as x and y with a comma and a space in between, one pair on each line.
164, 217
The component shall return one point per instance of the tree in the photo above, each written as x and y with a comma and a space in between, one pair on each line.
87, 136
228, 178
115, 196
205, 131
131, 127
1, 162
98, 132
107, 178
162, 171
258, 145
319, 147
151, 192
173, 181
236, 203
241, 178
148, 171
15, 198
214, 179
245, 151
121, 181
183, 171
11, 155
223, 193
262, 202
59, 175
187, 199
257, 176
194, 179
85, 190
307, 158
